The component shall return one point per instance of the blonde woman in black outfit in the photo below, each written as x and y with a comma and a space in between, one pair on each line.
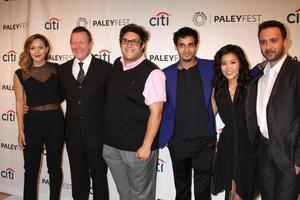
36, 86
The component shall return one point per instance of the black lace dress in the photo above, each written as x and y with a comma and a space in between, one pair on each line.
235, 157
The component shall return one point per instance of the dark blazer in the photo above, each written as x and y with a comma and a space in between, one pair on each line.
206, 70
283, 115
85, 102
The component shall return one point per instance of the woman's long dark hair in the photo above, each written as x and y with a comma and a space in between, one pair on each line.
220, 81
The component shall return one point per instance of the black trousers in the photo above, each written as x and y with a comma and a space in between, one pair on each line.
85, 163
194, 153
276, 183
43, 127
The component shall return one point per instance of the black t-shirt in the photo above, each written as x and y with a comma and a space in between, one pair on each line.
191, 113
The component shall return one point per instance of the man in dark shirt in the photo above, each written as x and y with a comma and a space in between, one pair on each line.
188, 120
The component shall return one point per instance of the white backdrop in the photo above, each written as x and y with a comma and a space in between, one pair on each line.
218, 23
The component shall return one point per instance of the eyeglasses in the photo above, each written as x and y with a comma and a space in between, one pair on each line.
133, 42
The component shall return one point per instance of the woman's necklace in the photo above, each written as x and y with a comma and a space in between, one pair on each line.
232, 89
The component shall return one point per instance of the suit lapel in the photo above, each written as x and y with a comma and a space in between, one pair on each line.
70, 70
250, 105
206, 81
281, 77
172, 84
90, 70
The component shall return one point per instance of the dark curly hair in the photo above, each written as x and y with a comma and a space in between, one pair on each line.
220, 81
184, 32
139, 30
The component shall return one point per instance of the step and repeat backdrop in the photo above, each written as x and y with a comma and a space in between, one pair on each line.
218, 23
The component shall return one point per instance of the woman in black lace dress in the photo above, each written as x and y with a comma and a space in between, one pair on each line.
36, 85
234, 168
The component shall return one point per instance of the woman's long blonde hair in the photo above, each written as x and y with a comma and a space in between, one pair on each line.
25, 61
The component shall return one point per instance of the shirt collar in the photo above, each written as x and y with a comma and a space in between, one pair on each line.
133, 64
276, 68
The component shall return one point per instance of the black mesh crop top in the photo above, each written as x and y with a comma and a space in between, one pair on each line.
40, 84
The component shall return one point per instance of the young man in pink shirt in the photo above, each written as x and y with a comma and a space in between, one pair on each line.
134, 103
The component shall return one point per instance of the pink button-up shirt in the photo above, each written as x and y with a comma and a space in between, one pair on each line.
155, 86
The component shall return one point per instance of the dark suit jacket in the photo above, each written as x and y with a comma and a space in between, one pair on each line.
283, 115
85, 102
206, 70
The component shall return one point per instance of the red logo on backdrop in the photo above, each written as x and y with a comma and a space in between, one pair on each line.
294, 17
10, 56
104, 54
160, 165
161, 19
9, 116
52, 24
8, 173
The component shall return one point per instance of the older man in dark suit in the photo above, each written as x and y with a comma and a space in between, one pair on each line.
83, 80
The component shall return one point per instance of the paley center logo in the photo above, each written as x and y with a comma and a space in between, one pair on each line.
13, 27
7, 87
200, 18
60, 58
163, 57
294, 17
9, 116
82, 22
102, 22
104, 54
13, 147
10, 56
160, 165
66, 186
52, 24
160, 19
8, 173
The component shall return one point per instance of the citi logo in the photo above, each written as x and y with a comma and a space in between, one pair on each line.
294, 17
103, 55
8, 173
161, 19
10, 56
160, 165
52, 24
9, 116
